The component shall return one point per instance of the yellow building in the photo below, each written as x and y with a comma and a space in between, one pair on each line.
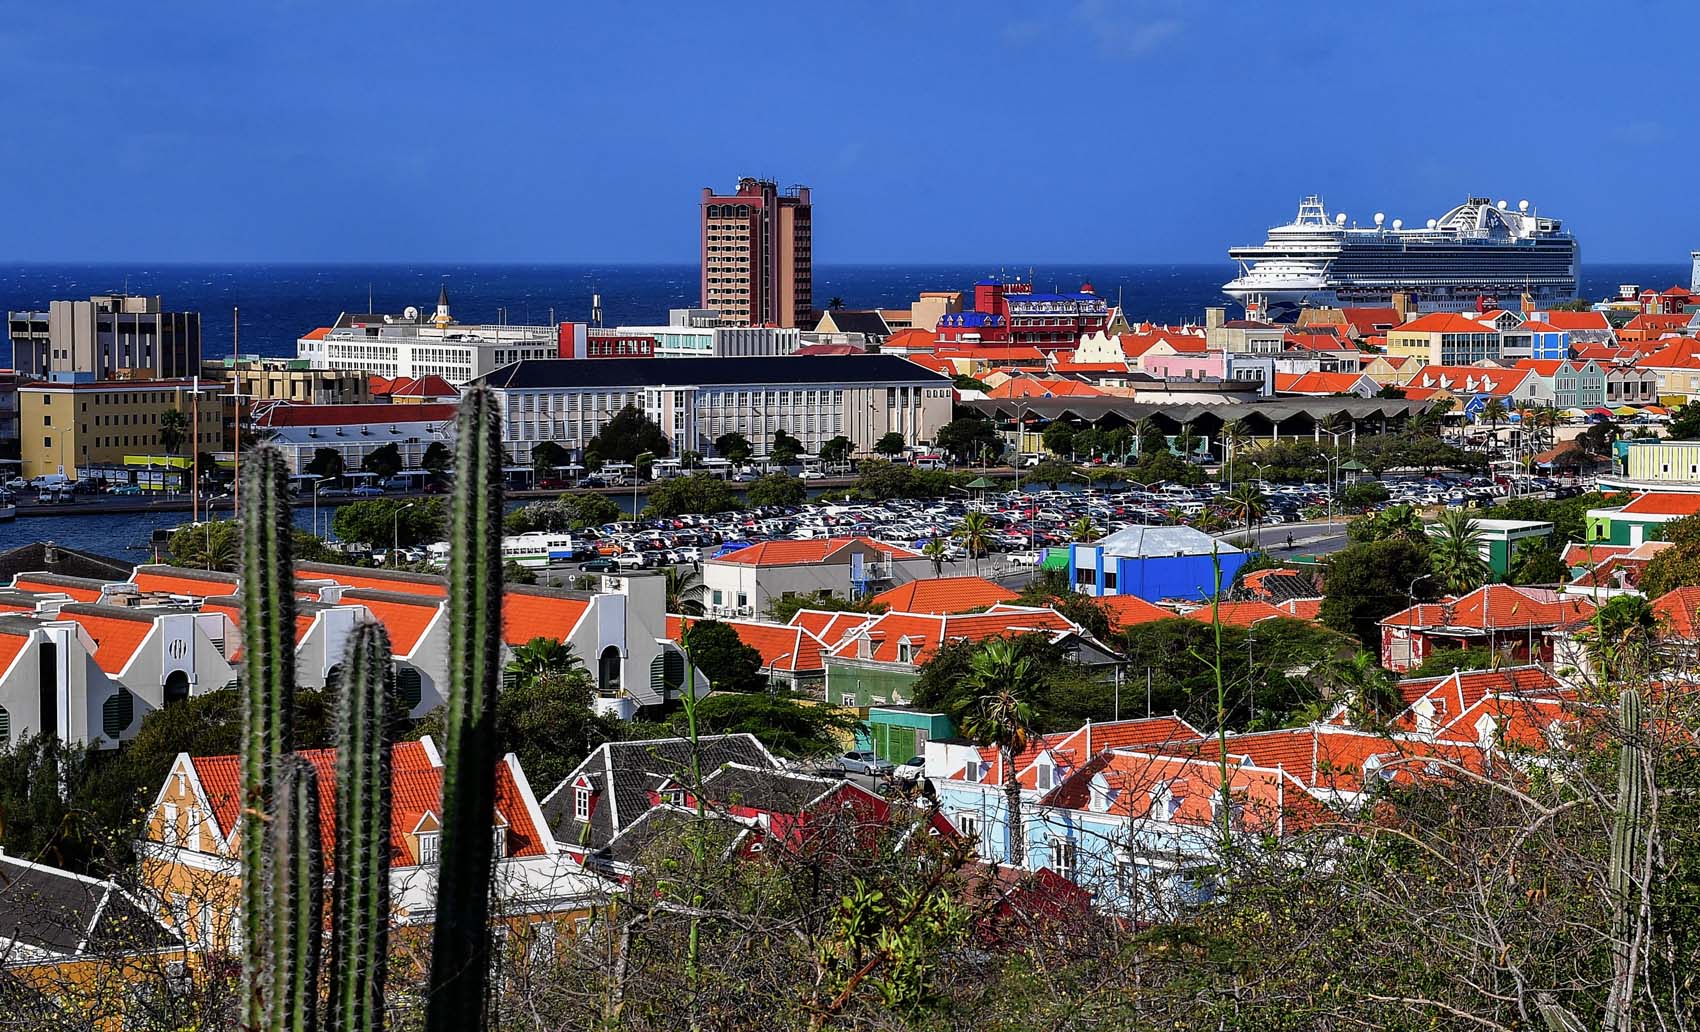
71, 427
1444, 338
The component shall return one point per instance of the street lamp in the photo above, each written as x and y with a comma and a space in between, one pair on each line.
316, 485
395, 534
771, 664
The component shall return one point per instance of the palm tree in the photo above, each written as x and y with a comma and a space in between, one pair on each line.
1622, 639
936, 550
173, 429
976, 535
1399, 522
1249, 502
541, 657
1366, 689
835, 304
1000, 679
1187, 441
685, 591
1235, 434
1083, 530
1493, 412
1455, 551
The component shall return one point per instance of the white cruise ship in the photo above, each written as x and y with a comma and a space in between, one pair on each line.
1478, 249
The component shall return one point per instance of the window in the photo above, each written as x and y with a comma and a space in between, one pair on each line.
581, 803
1062, 857
499, 845
608, 672
1044, 775
428, 843
968, 823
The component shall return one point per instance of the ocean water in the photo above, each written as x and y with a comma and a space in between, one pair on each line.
280, 302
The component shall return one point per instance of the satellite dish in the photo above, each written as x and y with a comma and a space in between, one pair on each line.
1340, 219
1432, 223
1380, 218
1503, 205
1398, 223
411, 312
1522, 205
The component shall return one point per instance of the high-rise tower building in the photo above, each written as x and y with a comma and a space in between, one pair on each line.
757, 254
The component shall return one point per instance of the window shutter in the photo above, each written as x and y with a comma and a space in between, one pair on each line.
117, 713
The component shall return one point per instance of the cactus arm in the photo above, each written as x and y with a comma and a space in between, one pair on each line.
268, 703
460, 960
360, 883
1626, 840
297, 894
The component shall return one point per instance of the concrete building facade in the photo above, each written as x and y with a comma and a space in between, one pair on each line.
107, 336
111, 425
758, 254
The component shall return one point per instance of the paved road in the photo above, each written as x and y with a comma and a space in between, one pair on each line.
1316, 538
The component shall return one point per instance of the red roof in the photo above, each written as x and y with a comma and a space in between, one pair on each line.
1069, 750
1442, 322
82, 593
797, 553
782, 646
431, 386
318, 334
944, 595
1043, 387
173, 580
1679, 612
913, 338
538, 613
404, 617
1663, 503
381, 580
116, 638
1578, 320
10, 645
1487, 380
287, 414
830, 627
1236, 614
1496, 607
1317, 383
1128, 610
924, 633
1577, 554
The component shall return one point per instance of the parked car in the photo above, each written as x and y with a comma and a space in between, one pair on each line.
811, 474
601, 564
912, 769
631, 560
127, 489
333, 492
864, 763
365, 491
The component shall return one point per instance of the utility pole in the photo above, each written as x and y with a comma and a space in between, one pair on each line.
236, 382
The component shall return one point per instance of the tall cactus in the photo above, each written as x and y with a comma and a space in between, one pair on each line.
360, 891
297, 893
268, 703
460, 959
1626, 844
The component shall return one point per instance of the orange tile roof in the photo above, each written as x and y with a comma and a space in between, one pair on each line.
1496, 607
1577, 554
913, 337
1043, 387
318, 334
1301, 608
1663, 503
58, 586
797, 553
1578, 320
1089, 367
539, 614
926, 632
173, 580
782, 646
379, 580
1545, 367
405, 617
1069, 750
230, 606
116, 638
10, 646
1679, 612
1237, 614
1442, 322
1487, 380
1128, 610
992, 353
944, 595
1317, 382
830, 627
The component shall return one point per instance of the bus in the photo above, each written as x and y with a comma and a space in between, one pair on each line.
538, 548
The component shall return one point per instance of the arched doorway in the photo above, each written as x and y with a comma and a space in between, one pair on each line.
176, 687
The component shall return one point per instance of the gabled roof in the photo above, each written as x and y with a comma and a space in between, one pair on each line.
405, 617
1319, 383
1128, 610
1495, 607
799, 553
1442, 322
117, 632
82, 589
380, 580
1069, 750
925, 633
828, 626
1577, 320
944, 595
1043, 387
1484, 380
1237, 614
787, 647
1679, 613
1662, 503
1578, 554
529, 612
1183, 789
51, 912
176, 580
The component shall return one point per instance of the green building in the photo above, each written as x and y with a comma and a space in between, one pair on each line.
897, 734
1501, 538
1641, 519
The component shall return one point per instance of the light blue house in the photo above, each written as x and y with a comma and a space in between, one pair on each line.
1154, 563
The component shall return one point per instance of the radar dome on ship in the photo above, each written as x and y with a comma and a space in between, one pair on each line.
1432, 223
1380, 217
1522, 205
1398, 223
1340, 219
1503, 205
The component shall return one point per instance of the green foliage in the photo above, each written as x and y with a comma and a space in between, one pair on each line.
1455, 553
437, 458
891, 444
41, 821
788, 726
836, 450
1413, 450
1399, 522
781, 610
627, 435
1445, 661
1361, 494
326, 462
733, 446
1538, 562
968, 438
1150, 438
1155, 467
212, 545
1677, 567
1568, 516
777, 489
1050, 472
964, 382
1084, 610
1367, 581
1622, 642
1286, 461
697, 493
785, 448
878, 480
1685, 425
373, 521
173, 430
729, 664
1059, 438
546, 456
1598, 438
384, 460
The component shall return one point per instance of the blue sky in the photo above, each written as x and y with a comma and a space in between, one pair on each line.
1080, 130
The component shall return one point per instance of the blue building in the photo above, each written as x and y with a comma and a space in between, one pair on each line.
1154, 563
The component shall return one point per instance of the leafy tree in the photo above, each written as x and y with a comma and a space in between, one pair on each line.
1622, 643
539, 657
1446, 661
1002, 679
968, 437
878, 479
1050, 472
1361, 494
1083, 609
545, 456
697, 493
384, 460
173, 430
1395, 523
891, 445
1598, 438
1391, 391
41, 821
1684, 426
1676, 567
729, 664
1568, 516
1366, 690
789, 727
376, 521
212, 545
1083, 530
1248, 500
836, 450
975, 532
627, 435
964, 382
1152, 439
1164, 466
733, 446
1538, 563
1455, 551
1059, 438
785, 448
685, 591
438, 458
327, 462
594, 510
1367, 581
777, 489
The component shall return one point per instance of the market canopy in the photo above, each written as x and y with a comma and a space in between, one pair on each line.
1626, 410
982, 483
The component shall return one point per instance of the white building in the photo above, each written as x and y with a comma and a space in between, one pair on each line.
414, 344
695, 401
689, 339
354, 431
